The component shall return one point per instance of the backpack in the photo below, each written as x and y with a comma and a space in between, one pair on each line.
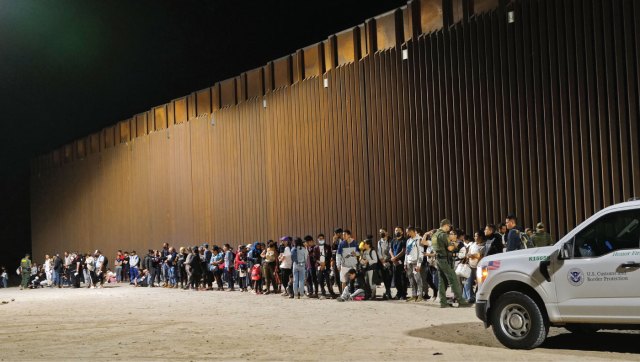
526, 241
256, 273
377, 265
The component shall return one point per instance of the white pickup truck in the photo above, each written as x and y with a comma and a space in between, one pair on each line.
589, 280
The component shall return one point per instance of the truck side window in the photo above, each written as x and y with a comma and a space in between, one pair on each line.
614, 231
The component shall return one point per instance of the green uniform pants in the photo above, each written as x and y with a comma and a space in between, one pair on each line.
25, 279
445, 272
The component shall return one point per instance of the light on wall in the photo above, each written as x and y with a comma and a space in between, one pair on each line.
325, 81
511, 17
405, 54
264, 103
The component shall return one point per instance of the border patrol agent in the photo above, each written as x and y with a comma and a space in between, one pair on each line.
25, 271
540, 237
440, 243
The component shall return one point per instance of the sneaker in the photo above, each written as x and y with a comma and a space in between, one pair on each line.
445, 306
411, 299
291, 297
340, 299
419, 299
464, 304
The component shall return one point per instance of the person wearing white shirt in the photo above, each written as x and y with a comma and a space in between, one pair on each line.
413, 264
48, 268
134, 261
474, 254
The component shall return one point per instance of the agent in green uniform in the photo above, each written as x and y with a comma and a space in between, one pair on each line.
25, 271
540, 237
440, 244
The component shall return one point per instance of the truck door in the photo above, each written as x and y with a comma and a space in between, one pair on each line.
600, 279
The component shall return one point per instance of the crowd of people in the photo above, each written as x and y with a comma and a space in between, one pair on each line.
340, 268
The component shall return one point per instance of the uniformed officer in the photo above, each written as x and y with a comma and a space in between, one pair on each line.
446, 275
25, 271
540, 237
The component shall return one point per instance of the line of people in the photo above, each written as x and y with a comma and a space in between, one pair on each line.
407, 259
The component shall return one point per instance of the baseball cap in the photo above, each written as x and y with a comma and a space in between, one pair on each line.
540, 226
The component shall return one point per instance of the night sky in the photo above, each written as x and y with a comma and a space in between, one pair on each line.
70, 68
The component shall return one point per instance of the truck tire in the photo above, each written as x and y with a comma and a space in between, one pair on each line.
518, 322
581, 328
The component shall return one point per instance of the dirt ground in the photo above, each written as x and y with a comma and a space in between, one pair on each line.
126, 323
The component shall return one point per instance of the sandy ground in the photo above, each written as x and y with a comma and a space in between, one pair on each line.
125, 323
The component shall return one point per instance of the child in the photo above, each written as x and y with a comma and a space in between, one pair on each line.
354, 290
256, 279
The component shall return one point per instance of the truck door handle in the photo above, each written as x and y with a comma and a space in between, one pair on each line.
629, 265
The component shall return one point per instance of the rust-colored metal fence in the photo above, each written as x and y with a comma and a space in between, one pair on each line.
538, 116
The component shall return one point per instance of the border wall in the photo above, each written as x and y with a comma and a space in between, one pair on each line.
438, 109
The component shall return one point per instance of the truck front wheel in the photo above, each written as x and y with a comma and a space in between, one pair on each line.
518, 322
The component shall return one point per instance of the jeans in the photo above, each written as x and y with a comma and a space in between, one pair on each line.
312, 281
467, 293
118, 271
57, 278
165, 272
230, 273
414, 279
429, 280
242, 281
4, 282
387, 275
398, 280
269, 269
218, 276
133, 273
368, 277
324, 278
285, 275
298, 279
171, 275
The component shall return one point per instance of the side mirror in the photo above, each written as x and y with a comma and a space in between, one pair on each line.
565, 252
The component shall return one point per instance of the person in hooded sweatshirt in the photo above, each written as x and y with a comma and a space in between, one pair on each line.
493, 241
254, 257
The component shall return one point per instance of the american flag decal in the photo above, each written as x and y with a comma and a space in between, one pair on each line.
493, 265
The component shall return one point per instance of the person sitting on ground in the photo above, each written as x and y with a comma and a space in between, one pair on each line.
142, 279
354, 290
110, 276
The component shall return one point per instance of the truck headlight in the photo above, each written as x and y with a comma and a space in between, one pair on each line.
482, 274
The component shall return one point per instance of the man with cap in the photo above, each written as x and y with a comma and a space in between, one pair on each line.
440, 245
541, 237
25, 271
